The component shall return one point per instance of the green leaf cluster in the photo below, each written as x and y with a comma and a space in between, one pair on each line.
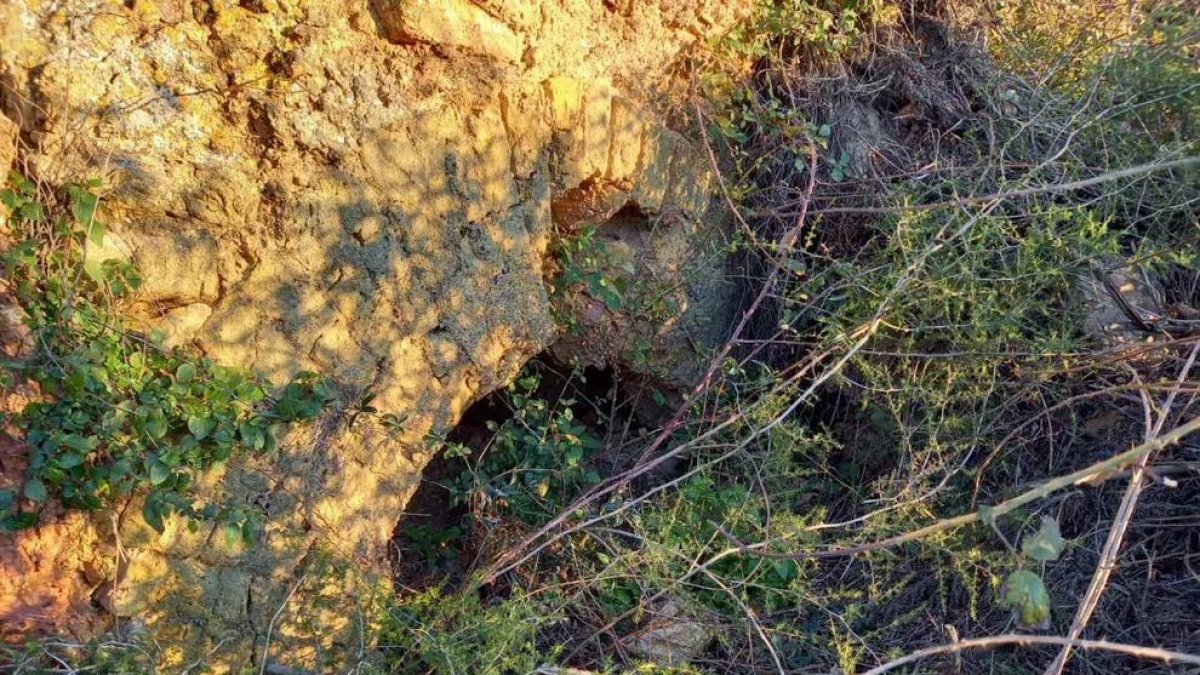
459, 633
1024, 592
537, 460
587, 266
120, 414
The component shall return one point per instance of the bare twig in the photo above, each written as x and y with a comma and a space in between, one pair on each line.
271, 627
1031, 640
1065, 403
751, 617
1139, 170
1045, 489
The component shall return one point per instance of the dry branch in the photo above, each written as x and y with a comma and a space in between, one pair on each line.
1032, 640
1113, 463
1130, 172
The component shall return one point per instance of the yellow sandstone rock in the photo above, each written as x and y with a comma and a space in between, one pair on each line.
455, 23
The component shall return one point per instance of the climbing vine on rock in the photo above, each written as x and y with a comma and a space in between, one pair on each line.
119, 413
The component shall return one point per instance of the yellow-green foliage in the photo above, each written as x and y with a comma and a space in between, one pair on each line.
456, 633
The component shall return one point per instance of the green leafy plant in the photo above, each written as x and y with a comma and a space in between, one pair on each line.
586, 268
392, 423
536, 461
130, 656
120, 414
1024, 591
460, 633
433, 542
841, 168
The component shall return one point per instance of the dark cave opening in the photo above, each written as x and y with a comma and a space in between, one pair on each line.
442, 536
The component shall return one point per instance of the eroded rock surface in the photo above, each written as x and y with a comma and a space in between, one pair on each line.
362, 188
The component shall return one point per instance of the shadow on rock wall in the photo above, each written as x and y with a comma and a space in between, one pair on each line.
411, 269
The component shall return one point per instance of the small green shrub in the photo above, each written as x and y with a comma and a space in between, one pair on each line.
696, 522
136, 656
433, 542
457, 633
585, 265
823, 30
120, 414
537, 460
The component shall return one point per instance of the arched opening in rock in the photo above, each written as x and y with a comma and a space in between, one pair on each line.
629, 216
517, 456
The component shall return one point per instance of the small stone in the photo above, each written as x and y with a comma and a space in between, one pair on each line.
182, 323
454, 23
671, 639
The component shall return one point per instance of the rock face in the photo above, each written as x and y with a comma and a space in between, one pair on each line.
362, 188
48, 574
